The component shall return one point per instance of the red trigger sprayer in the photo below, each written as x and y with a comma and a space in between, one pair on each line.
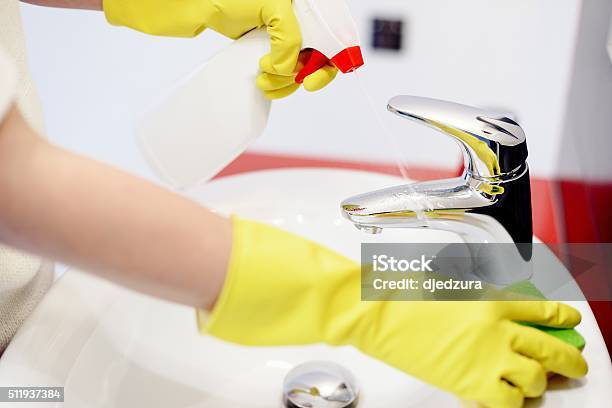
328, 36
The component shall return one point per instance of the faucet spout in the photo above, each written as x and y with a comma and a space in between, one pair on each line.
449, 204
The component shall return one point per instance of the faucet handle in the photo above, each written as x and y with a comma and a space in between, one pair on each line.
493, 145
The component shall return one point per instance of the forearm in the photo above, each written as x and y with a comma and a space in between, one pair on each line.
102, 220
75, 4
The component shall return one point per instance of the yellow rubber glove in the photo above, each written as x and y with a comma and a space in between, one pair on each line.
232, 18
284, 290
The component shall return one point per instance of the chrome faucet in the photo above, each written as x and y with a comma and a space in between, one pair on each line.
489, 203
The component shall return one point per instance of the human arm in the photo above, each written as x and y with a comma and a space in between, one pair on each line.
232, 18
90, 215
74, 4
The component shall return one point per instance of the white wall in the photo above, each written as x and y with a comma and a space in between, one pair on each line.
586, 140
511, 55
610, 39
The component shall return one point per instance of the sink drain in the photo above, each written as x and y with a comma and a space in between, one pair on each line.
320, 384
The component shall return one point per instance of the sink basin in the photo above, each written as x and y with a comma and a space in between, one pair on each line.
111, 347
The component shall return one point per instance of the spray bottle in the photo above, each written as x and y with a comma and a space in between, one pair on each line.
204, 123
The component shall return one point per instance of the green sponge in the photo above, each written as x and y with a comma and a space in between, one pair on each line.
569, 336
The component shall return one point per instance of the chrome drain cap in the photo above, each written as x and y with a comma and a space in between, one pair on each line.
320, 384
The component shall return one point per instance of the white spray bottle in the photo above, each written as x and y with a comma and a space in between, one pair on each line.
213, 115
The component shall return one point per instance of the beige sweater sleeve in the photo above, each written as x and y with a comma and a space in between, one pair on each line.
23, 278
8, 83
12, 41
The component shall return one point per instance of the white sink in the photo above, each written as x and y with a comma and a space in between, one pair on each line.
110, 347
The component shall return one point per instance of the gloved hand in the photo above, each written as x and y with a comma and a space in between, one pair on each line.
284, 290
232, 18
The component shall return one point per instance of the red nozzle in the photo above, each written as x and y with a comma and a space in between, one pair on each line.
349, 59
